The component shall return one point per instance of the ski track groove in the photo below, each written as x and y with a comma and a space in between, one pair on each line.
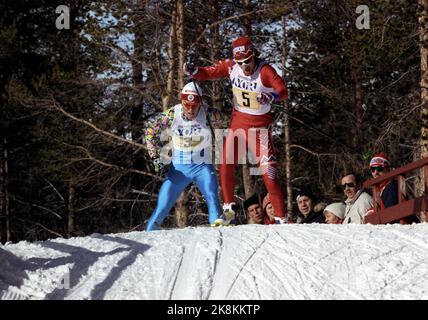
415, 244
177, 273
217, 258
388, 283
318, 277
243, 266
254, 277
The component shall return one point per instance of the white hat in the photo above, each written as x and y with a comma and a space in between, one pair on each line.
192, 88
337, 208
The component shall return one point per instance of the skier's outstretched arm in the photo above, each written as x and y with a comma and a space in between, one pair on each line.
216, 71
153, 134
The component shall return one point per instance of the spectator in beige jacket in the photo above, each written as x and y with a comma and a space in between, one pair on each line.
358, 202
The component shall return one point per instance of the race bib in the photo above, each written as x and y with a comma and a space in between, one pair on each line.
245, 99
191, 143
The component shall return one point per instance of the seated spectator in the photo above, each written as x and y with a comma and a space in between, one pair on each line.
269, 212
334, 213
254, 210
306, 202
358, 202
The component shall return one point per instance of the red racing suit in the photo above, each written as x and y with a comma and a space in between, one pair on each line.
248, 114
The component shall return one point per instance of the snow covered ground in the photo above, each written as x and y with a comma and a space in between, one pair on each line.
242, 262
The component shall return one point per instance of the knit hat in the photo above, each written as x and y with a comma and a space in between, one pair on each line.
254, 199
337, 208
191, 95
266, 201
379, 160
242, 48
304, 192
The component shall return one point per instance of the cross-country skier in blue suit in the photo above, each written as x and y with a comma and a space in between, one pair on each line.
188, 124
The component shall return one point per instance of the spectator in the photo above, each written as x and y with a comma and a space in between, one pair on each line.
254, 210
379, 165
334, 213
269, 212
306, 202
358, 202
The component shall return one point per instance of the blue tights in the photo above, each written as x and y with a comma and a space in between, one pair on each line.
178, 178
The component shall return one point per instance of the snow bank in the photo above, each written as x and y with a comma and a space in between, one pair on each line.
242, 262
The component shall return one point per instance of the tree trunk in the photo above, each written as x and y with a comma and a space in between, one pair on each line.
287, 126
181, 211
71, 210
215, 52
358, 104
180, 38
248, 181
5, 232
423, 39
171, 61
246, 20
137, 74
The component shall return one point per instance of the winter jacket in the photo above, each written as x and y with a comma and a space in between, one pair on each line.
389, 194
357, 207
314, 217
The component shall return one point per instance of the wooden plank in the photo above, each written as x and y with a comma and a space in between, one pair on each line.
376, 198
373, 218
401, 186
399, 211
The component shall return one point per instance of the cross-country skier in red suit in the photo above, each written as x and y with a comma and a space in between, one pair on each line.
255, 85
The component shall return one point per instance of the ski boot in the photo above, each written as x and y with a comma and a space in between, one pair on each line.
229, 212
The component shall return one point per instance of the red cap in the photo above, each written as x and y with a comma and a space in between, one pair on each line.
379, 160
242, 48
266, 201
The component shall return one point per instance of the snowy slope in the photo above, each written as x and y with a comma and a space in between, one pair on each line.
243, 262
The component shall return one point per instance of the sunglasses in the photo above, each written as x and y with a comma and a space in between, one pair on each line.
378, 169
350, 185
246, 61
190, 106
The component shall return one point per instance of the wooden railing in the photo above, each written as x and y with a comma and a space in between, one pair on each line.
405, 207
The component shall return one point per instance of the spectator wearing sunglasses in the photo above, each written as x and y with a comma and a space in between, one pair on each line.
358, 202
379, 165
255, 86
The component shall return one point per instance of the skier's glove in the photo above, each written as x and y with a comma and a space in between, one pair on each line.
190, 69
279, 220
265, 98
159, 166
